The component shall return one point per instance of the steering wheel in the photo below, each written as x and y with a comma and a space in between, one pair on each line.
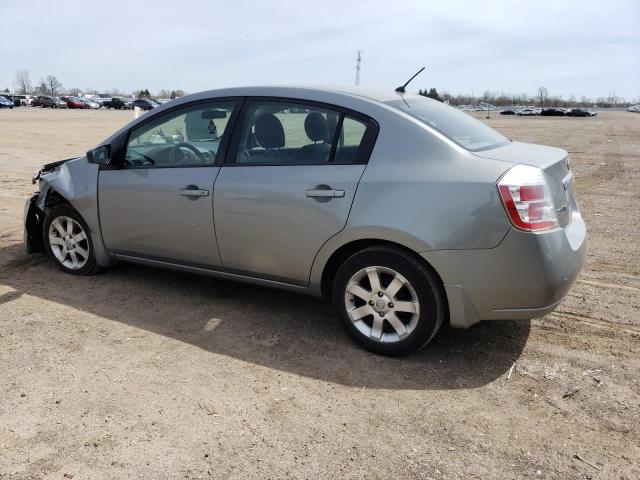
173, 153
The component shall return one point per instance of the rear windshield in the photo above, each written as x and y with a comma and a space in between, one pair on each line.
454, 124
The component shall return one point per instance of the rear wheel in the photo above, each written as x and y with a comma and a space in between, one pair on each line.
388, 301
68, 241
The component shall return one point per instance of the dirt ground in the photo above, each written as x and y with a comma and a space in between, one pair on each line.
144, 373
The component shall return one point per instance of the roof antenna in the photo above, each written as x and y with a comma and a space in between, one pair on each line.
401, 89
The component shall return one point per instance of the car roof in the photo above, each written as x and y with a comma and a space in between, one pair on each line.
378, 95
352, 97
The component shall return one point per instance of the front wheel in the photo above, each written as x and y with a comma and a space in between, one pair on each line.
68, 241
388, 301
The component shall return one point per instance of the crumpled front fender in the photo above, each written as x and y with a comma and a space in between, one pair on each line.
76, 181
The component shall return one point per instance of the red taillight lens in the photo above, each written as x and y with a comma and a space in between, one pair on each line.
526, 198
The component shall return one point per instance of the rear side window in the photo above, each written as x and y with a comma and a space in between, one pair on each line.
351, 136
294, 133
458, 126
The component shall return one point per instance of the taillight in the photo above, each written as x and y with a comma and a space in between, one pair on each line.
527, 200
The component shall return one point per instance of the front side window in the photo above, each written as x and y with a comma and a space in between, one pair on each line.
186, 137
458, 126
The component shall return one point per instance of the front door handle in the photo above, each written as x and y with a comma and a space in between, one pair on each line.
194, 192
325, 193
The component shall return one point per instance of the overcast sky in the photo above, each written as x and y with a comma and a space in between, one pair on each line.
580, 47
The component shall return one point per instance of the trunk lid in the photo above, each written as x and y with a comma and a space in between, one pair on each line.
554, 162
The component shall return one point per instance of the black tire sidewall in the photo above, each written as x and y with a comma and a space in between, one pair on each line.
424, 282
65, 211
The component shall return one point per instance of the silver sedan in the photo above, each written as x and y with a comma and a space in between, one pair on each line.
403, 211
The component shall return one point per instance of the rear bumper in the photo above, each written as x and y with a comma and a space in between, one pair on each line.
526, 276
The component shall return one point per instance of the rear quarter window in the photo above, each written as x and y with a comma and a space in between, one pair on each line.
454, 124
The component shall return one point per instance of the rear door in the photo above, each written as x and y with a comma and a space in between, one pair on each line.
288, 185
158, 202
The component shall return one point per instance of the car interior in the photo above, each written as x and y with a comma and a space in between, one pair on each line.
273, 133
292, 134
190, 138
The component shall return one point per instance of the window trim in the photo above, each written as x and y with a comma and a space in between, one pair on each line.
364, 149
119, 152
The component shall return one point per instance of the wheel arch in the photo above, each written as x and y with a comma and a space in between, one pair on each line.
325, 267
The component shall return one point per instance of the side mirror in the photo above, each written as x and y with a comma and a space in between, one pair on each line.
100, 155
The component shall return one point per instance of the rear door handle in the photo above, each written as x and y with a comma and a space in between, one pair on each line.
325, 193
194, 192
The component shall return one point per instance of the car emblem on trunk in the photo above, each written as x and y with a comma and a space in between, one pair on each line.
562, 209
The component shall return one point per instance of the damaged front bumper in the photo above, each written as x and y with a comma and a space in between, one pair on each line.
34, 210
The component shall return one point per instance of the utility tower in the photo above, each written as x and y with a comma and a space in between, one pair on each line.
358, 61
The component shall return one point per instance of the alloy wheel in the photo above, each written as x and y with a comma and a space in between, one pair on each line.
69, 242
382, 304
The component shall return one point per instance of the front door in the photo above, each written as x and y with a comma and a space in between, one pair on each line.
289, 186
158, 203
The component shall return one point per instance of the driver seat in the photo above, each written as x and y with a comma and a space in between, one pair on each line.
269, 133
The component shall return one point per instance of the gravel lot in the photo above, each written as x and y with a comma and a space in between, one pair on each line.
143, 373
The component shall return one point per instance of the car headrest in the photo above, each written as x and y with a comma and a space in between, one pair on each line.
316, 127
269, 131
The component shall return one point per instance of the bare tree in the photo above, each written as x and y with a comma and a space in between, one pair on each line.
74, 92
53, 84
542, 95
23, 81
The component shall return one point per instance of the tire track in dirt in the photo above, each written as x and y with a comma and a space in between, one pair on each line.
595, 322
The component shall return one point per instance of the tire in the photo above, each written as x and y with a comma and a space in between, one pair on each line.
371, 315
73, 255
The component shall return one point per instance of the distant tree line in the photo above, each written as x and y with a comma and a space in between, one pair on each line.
541, 98
431, 93
50, 85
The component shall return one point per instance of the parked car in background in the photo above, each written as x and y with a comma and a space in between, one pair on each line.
346, 200
89, 103
145, 103
633, 108
6, 102
580, 112
553, 112
528, 112
115, 102
73, 102
51, 102
99, 100
23, 99
509, 111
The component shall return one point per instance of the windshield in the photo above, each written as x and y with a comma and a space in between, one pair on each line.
454, 124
